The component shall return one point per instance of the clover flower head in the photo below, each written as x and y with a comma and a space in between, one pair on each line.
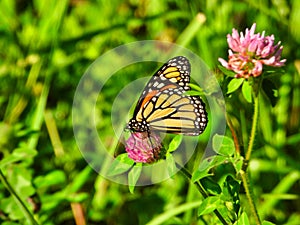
143, 147
250, 51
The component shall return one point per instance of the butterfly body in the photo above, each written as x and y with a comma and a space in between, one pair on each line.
165, 107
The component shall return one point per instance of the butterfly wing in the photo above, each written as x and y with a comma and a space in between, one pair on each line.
173, 112
176, 70
175, 73
163, 105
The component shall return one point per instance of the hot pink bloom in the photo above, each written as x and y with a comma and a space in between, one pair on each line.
248, 53
143, 147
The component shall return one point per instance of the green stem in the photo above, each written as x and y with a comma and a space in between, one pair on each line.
249, 195
253, 129
244, 173
18, 200
187, 174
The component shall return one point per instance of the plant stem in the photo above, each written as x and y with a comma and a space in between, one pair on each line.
187, 174
253, 129
249, 195
234, 135
244, 173
18, 200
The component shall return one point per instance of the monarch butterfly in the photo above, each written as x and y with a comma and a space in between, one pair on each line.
165, 107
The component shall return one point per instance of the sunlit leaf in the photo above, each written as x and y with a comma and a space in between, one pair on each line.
134, 175
174, 144
243, 219
234, 84
25, 152
52, 178
196, 88
247, 91
9, 207
120, 165
21, 178
208, 205
172, 169
201, 172
18, 154
206, 165
223, 145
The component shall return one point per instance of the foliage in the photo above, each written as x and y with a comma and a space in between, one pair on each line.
46, 47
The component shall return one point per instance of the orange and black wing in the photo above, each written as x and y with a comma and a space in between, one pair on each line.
164, 106
173, 74
173, 112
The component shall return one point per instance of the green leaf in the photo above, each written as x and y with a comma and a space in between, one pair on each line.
201, 172
9, 207
120, 165
9, 160
21, 178
52, 178
172, 169
196, 88
223, 145
18, 154
239, 162
227, 72
243, 219
134, 175
192, 93
211, 186
208, 205
174, 144
234, 84
25, 152
206, 165
247, 91
231, 194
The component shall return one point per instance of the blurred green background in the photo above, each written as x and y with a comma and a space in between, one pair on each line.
46, 46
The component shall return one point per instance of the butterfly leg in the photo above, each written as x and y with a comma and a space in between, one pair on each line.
154, 146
